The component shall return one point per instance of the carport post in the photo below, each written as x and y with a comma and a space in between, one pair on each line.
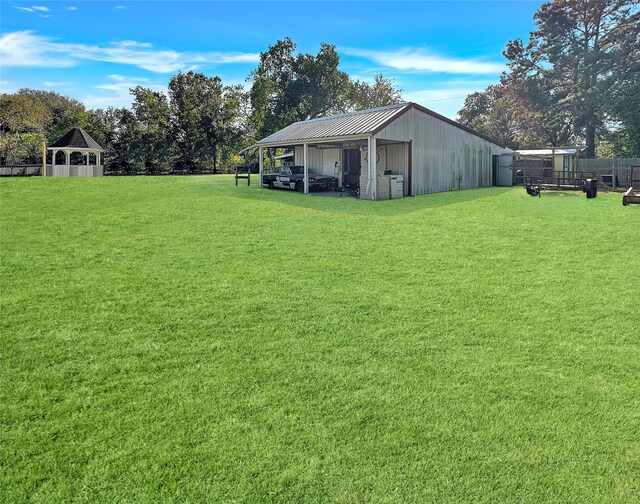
306, 168
260, 167
373, 169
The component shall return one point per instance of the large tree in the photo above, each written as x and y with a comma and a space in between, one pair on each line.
23, 124
268, 94
229, 136
124, 150
579, 50
64, 112
319, 87
567, 83
379, 93
30, 117
288, 87
203, 113
20, 113
151, 110
624, 104
185, 92
489, 112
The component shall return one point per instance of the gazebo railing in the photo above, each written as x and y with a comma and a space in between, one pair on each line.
75, 170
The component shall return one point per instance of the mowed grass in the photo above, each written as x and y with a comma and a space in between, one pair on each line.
175, 339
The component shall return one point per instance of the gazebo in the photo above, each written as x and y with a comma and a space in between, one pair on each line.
76, 140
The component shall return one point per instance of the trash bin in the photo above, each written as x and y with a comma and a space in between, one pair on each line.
590, 187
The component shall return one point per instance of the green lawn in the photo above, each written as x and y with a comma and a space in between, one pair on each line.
175, 339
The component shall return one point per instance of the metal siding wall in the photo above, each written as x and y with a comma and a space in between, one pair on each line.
397, 162
381, 166
315, 158
445, 158
380, 161
329, 157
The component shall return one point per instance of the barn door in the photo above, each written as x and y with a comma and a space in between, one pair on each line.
351, 166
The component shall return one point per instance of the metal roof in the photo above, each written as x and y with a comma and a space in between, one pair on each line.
354, 124
284, 156
547, 152
363, 123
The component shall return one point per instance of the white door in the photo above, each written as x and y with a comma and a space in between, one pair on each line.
505, 170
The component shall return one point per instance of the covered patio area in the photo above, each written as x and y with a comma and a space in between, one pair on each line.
339, 147
348, 161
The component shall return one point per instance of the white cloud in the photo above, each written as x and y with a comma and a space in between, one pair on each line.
125, 83
447, 100
33, 8
7, 87
27, 49
422, 60
132, 43
425, 96
118, 94
55, 84
121, 7
72, 8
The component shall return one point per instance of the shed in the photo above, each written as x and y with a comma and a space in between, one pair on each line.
76, 140
559, 162
431, 153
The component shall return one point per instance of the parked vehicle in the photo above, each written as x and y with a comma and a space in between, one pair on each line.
292, 177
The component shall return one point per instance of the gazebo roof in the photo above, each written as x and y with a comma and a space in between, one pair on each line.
77, 138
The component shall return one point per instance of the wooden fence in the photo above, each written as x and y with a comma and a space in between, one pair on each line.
23, 170
608, 163
613, 174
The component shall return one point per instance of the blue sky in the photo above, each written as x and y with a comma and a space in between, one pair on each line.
437, 52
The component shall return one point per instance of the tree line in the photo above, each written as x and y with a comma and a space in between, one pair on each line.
576, 81
199, 124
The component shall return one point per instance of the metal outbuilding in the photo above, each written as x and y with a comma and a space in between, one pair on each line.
427, 151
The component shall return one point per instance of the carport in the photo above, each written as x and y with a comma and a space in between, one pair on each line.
339, 145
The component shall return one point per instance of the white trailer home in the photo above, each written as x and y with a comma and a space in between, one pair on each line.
425, 151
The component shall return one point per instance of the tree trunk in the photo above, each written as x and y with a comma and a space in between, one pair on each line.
590, 137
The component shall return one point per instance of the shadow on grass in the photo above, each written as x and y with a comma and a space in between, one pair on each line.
562, 194
573, 195
356, 206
